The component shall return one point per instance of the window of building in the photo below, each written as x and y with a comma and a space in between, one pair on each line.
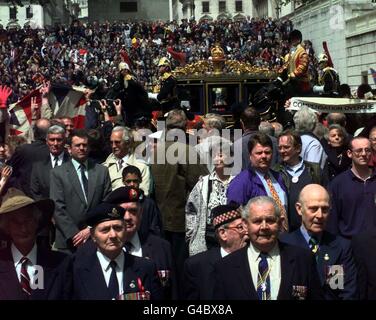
238, 6
12, 13
222, 6
29, 12
205, 7
130, 6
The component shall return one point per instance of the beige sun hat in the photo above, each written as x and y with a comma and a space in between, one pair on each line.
15, 199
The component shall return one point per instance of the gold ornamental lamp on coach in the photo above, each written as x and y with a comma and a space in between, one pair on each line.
218, 59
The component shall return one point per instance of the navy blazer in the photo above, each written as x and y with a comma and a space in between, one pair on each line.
364, 246
89, 282
158, 250
233, 279
199, 278
54, 267
334, 250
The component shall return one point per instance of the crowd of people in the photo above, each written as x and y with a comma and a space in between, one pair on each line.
117, 211
73, 53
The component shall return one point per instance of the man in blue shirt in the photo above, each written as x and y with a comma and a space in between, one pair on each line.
259, 179
353, 193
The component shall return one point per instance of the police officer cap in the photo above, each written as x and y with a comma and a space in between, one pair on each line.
104, 212
223, 214
125, 194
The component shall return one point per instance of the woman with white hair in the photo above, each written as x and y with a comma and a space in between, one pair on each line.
305, 121
209, 192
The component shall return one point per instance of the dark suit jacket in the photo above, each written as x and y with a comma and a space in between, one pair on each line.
364, 247
334, 250
22, 161
70, 203
40, 177
234, 279
89, 282
199, 278
53, 264
151, 217
158, 250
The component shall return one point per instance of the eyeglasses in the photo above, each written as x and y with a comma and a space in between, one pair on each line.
239, 228
358, 152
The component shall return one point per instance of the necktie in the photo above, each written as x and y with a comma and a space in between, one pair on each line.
276, 198
84, 179
120, 164
314, 246
113, 284
129, 246
56, 161
263, 279
25, 279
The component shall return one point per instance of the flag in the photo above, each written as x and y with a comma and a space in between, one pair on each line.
20, 114
373, 73
326, 50
125, 57
68, 101
179, 56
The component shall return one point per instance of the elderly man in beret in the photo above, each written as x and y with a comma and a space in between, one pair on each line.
108, 272
28, 270
232, 234
147, 245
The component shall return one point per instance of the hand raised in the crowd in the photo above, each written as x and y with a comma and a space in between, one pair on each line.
104, 105
6, 172
118, 106
5, 92
45, 89
35, 108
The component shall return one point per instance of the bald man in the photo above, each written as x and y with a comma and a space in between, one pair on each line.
334, 257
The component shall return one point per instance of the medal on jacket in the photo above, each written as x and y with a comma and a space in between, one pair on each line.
295, 179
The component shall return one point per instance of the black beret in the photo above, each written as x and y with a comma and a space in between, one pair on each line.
104, 212
223, 214
125, 194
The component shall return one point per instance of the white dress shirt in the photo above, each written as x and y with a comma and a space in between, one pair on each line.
274, 263
136, 246
59, 160
224, 253
30, 267
106, 268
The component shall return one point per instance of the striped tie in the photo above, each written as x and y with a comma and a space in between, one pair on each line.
25, 279
276, 198
263, 279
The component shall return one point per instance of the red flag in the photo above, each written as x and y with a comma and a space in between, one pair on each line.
125, 57
20, 113
67, 101
330, 61
178, 56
